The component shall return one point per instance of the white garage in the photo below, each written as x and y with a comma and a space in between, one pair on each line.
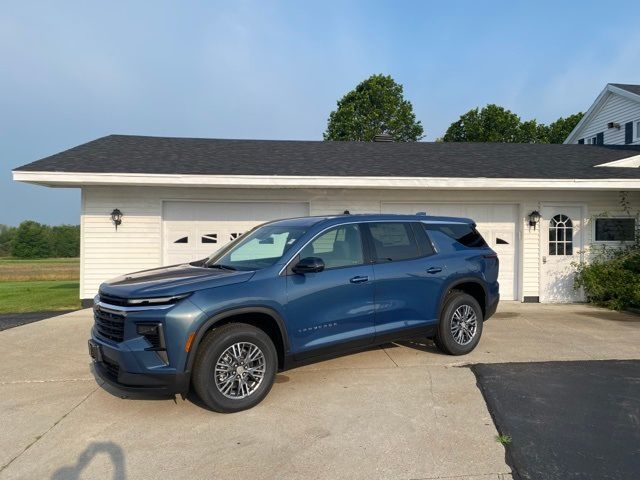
496, 222
180, 199
194, 230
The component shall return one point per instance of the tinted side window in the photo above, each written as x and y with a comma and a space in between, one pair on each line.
424, 243
338, 247
463, 233
393, 241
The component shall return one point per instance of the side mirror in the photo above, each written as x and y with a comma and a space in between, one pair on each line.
309, 265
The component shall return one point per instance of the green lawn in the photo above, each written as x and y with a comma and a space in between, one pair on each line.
41, 295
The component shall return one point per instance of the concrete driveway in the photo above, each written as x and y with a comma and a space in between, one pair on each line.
404, 411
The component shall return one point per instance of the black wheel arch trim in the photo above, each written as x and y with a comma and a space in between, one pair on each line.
460, 281
232, 312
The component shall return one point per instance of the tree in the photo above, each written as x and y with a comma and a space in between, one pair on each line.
65, 241
493, 124
6, 235
561, 128
376, 106
497, 124
31, 240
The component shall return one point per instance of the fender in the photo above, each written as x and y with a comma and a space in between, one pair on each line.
218, 317
459, 281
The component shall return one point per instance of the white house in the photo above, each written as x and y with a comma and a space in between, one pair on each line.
613, 119
182, 198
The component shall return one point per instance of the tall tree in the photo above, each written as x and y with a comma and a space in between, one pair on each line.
6, 236
31, 240
376, 106
561, 128
497, 124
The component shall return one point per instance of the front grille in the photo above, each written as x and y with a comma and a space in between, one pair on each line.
111, 368
111, 300
109, 325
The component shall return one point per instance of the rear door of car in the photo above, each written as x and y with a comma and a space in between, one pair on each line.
408, 277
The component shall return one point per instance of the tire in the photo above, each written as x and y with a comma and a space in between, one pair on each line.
460, 310
237, 385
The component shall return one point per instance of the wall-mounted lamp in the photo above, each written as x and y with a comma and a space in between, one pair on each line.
116, 217
534, 218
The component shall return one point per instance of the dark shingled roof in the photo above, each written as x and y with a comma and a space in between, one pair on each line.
629, 88
197, 156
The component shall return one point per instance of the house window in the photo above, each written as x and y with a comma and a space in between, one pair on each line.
637, 122
592, 140
615, 229
182, 240
560, 235
235, 235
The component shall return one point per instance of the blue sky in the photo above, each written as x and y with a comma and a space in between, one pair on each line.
75, 71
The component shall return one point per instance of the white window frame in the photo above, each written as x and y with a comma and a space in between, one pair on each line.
636, 128
592, 140
612, 242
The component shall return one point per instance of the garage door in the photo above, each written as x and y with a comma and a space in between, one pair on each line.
496, 223
194, 230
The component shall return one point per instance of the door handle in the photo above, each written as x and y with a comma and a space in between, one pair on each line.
434, 269
359, 279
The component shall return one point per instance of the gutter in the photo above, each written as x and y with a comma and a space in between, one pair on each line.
74, 179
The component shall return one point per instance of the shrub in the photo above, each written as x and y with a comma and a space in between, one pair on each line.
612, 277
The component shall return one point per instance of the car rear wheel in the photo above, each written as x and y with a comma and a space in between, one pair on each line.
234, 368
460, 324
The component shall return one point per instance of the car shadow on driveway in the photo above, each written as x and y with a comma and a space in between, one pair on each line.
112, 450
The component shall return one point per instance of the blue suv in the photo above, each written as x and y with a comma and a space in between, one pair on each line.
290, 292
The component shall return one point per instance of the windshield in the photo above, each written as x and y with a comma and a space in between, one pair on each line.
258, 248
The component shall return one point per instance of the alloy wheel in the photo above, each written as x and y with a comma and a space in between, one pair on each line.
464, 324
240, 370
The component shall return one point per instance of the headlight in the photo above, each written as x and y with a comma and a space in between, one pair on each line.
156, 300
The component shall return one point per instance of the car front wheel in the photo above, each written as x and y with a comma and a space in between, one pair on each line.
234, 368
460, 324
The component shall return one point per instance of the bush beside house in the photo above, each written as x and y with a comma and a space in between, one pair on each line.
612, 277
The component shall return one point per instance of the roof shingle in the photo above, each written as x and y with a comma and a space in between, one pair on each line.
196, 156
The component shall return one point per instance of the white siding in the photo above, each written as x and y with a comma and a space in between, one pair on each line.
615, 108
137, 244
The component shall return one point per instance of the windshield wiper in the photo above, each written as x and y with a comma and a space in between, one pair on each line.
221, 266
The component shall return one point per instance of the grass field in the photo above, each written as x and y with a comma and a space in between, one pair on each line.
12, 269
39, 285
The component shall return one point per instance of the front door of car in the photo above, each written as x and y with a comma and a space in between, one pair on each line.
334, 306
409, 278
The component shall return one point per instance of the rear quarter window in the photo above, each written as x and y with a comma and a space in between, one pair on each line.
463, 233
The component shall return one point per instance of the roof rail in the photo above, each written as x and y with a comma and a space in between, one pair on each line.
421, 213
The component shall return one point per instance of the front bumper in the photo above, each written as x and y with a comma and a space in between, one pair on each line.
134, 362
110, 364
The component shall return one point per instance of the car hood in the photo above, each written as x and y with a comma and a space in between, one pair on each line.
173, 280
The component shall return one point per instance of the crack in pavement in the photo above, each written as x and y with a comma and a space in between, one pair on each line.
385, 351
58, 380
39, 437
